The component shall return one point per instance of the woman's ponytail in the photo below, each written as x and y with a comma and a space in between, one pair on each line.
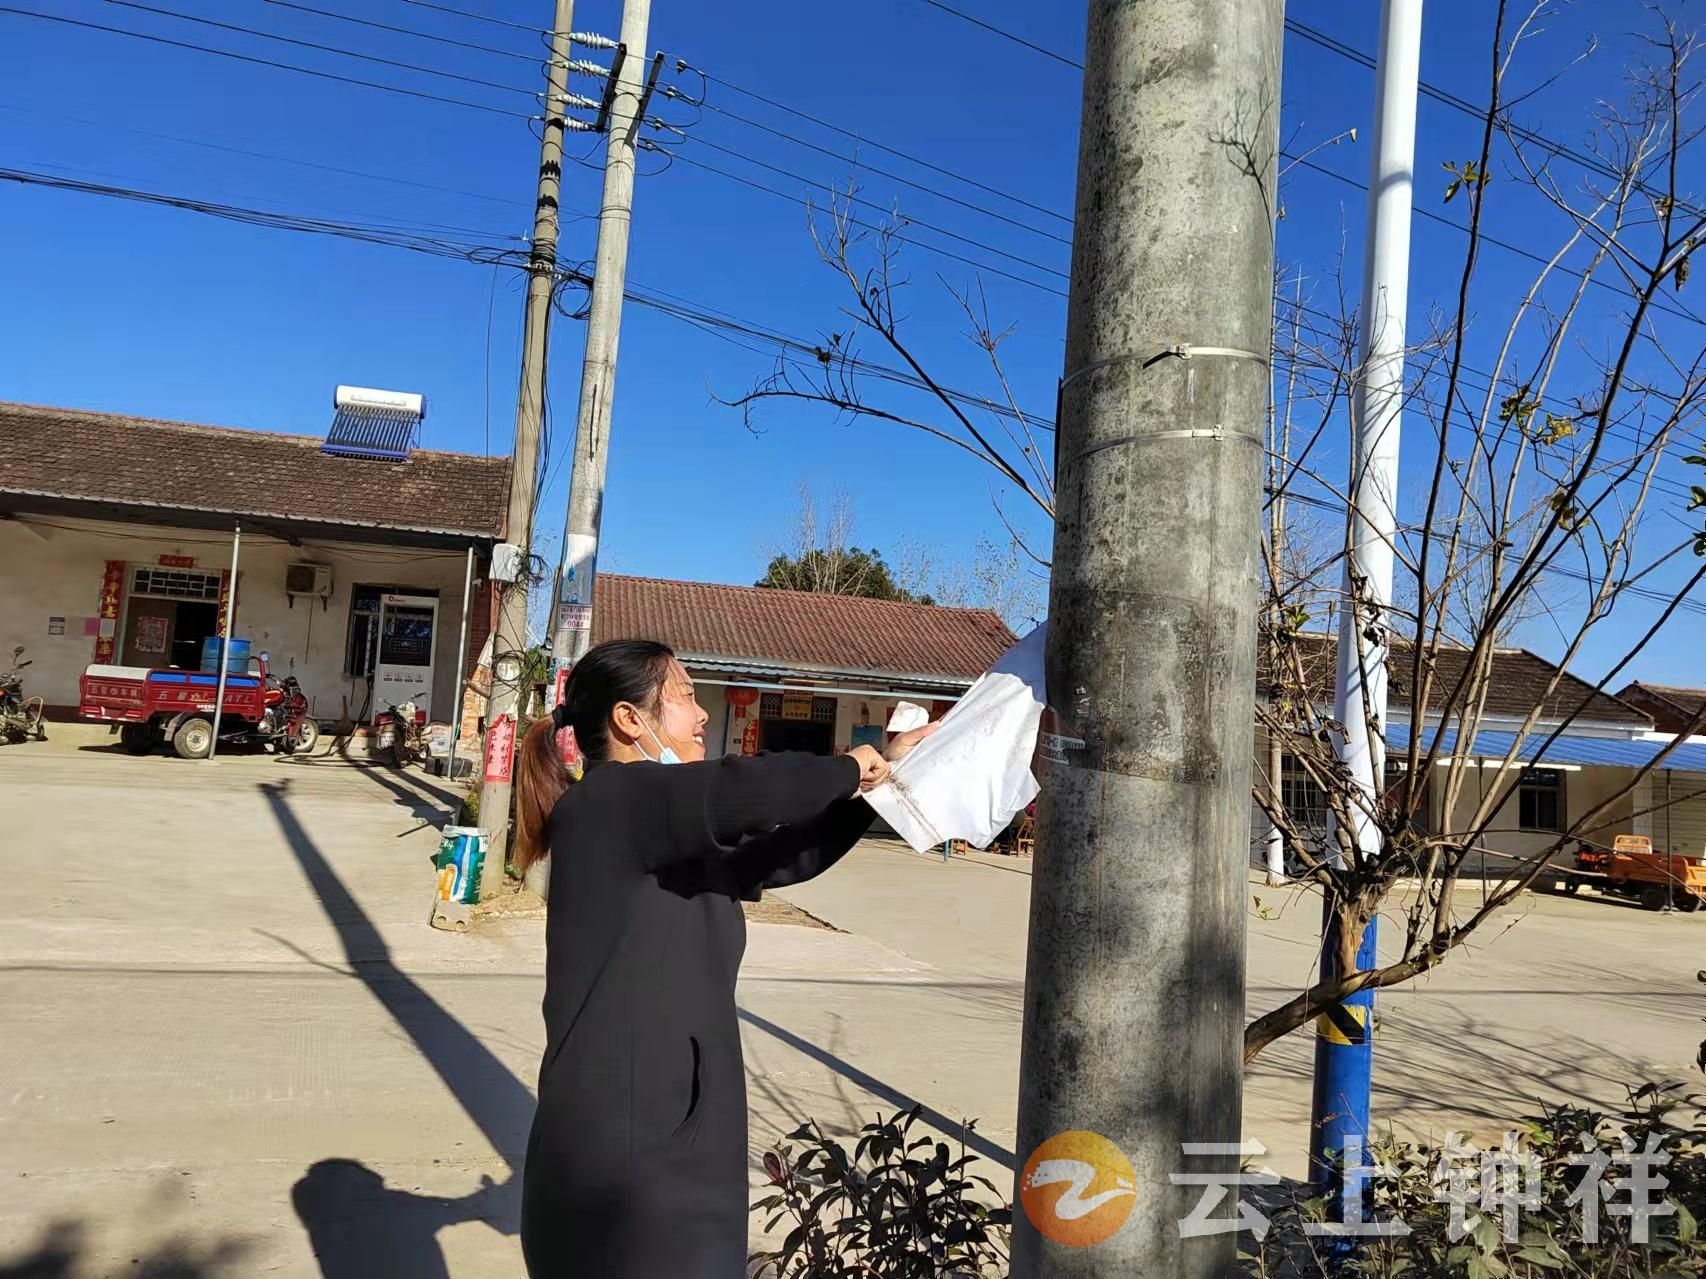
616, 671
541, 777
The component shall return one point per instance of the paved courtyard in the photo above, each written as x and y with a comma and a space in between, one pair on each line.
233, 1047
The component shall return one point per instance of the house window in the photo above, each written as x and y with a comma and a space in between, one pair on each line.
361, 647
1303, 797
1540, 799
1396, 771
176, 583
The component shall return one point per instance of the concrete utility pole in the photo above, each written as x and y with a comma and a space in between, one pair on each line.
571, 607
509, 642
1134, 986
1343, 1070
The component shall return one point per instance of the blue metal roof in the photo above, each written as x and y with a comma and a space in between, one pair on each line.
1612, 752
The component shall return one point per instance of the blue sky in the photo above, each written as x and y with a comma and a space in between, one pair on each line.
116, 306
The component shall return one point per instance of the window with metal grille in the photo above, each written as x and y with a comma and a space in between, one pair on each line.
1303, 798
1540, 799
770, 707
175, 583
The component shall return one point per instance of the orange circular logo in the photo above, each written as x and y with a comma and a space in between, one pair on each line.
1078, 1189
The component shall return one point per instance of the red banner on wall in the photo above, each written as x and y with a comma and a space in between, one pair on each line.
225, 601
500, 749
112, 592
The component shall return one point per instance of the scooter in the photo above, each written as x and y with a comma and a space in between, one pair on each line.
20, 717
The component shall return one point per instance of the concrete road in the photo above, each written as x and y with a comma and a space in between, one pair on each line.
1559, 999
232, 1046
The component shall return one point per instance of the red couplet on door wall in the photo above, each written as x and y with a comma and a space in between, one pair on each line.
500, 749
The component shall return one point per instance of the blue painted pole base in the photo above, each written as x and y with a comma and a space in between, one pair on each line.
1344, 1073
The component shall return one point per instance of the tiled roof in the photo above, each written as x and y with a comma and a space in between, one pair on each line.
1519, 678
110, 460
1674, 710
833, 633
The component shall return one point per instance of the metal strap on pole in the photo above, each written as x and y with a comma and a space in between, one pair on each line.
225, 637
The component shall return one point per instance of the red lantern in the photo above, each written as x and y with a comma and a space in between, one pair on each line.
741, 696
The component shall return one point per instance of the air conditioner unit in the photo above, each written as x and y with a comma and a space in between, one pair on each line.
312, 580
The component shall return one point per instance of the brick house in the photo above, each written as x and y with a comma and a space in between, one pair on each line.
796, 670
116, 536
1607, 738
1674, 710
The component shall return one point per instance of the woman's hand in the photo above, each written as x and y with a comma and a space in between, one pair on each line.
873, 768
903, 743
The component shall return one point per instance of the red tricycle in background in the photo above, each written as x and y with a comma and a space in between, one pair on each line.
153, 706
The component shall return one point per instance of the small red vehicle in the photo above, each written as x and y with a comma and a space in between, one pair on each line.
154, 706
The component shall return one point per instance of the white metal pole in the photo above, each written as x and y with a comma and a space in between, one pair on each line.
1342, 1072
1378, 399
461, 663
225, 636
1276, 840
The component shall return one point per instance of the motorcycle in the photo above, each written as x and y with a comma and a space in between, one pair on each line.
285, 721
20, 717
408, 735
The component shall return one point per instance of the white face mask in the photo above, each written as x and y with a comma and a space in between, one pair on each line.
666, 754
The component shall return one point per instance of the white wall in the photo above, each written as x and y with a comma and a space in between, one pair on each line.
1584, 790
54, 568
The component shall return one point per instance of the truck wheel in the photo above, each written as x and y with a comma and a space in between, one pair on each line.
1570, 886
1684, 901
137, 739
1653, 897
194, 738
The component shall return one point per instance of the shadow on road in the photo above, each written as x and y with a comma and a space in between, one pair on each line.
876, 1087
360, 1228
62, 1252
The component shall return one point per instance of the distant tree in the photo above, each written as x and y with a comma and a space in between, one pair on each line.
839, 571
818, 558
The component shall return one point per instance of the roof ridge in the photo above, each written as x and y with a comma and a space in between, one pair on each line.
213, 428
779, 591
1685, 689
1594, 690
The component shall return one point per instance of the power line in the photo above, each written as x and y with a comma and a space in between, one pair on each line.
1658, 304
283, 159
366, 232
269, 62
859, 164
239, 29
862, 140
1334, 45
1006, 35
947, 253
478, 17
409, 31
1458, 103
681, 309
667, 303
856, 199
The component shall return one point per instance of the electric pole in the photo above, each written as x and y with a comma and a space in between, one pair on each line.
509, 641
1344, 1067
571, 601
1134, 984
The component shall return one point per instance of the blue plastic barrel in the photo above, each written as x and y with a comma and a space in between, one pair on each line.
236, 664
